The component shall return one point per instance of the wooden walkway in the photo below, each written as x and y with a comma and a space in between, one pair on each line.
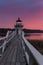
14, 54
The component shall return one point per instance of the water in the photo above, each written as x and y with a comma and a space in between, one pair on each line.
35, 36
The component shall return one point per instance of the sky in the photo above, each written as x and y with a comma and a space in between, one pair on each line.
30, 12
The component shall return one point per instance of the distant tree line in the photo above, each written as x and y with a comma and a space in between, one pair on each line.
3, 31
32, 31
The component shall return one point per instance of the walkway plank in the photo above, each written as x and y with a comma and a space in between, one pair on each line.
14, 54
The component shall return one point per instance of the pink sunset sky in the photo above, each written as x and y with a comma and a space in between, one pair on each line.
30, 12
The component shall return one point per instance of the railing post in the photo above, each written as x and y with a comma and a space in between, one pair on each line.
26, 55
4, 45
30, 59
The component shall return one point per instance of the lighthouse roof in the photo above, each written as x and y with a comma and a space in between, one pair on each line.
18, 20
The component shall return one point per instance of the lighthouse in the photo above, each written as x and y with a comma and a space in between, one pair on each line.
18, 26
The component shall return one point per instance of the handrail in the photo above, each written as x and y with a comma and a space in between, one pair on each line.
5, 36
38, 57
6, 39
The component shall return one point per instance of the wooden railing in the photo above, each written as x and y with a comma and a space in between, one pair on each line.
5, 40
32, 55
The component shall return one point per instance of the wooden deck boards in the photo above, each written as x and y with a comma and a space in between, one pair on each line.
14, 54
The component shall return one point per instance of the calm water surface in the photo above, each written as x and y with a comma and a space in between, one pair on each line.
35, 36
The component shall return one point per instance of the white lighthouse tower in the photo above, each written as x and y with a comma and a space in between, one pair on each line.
18, 26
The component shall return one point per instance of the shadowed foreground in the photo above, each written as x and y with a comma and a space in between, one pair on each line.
14, 54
